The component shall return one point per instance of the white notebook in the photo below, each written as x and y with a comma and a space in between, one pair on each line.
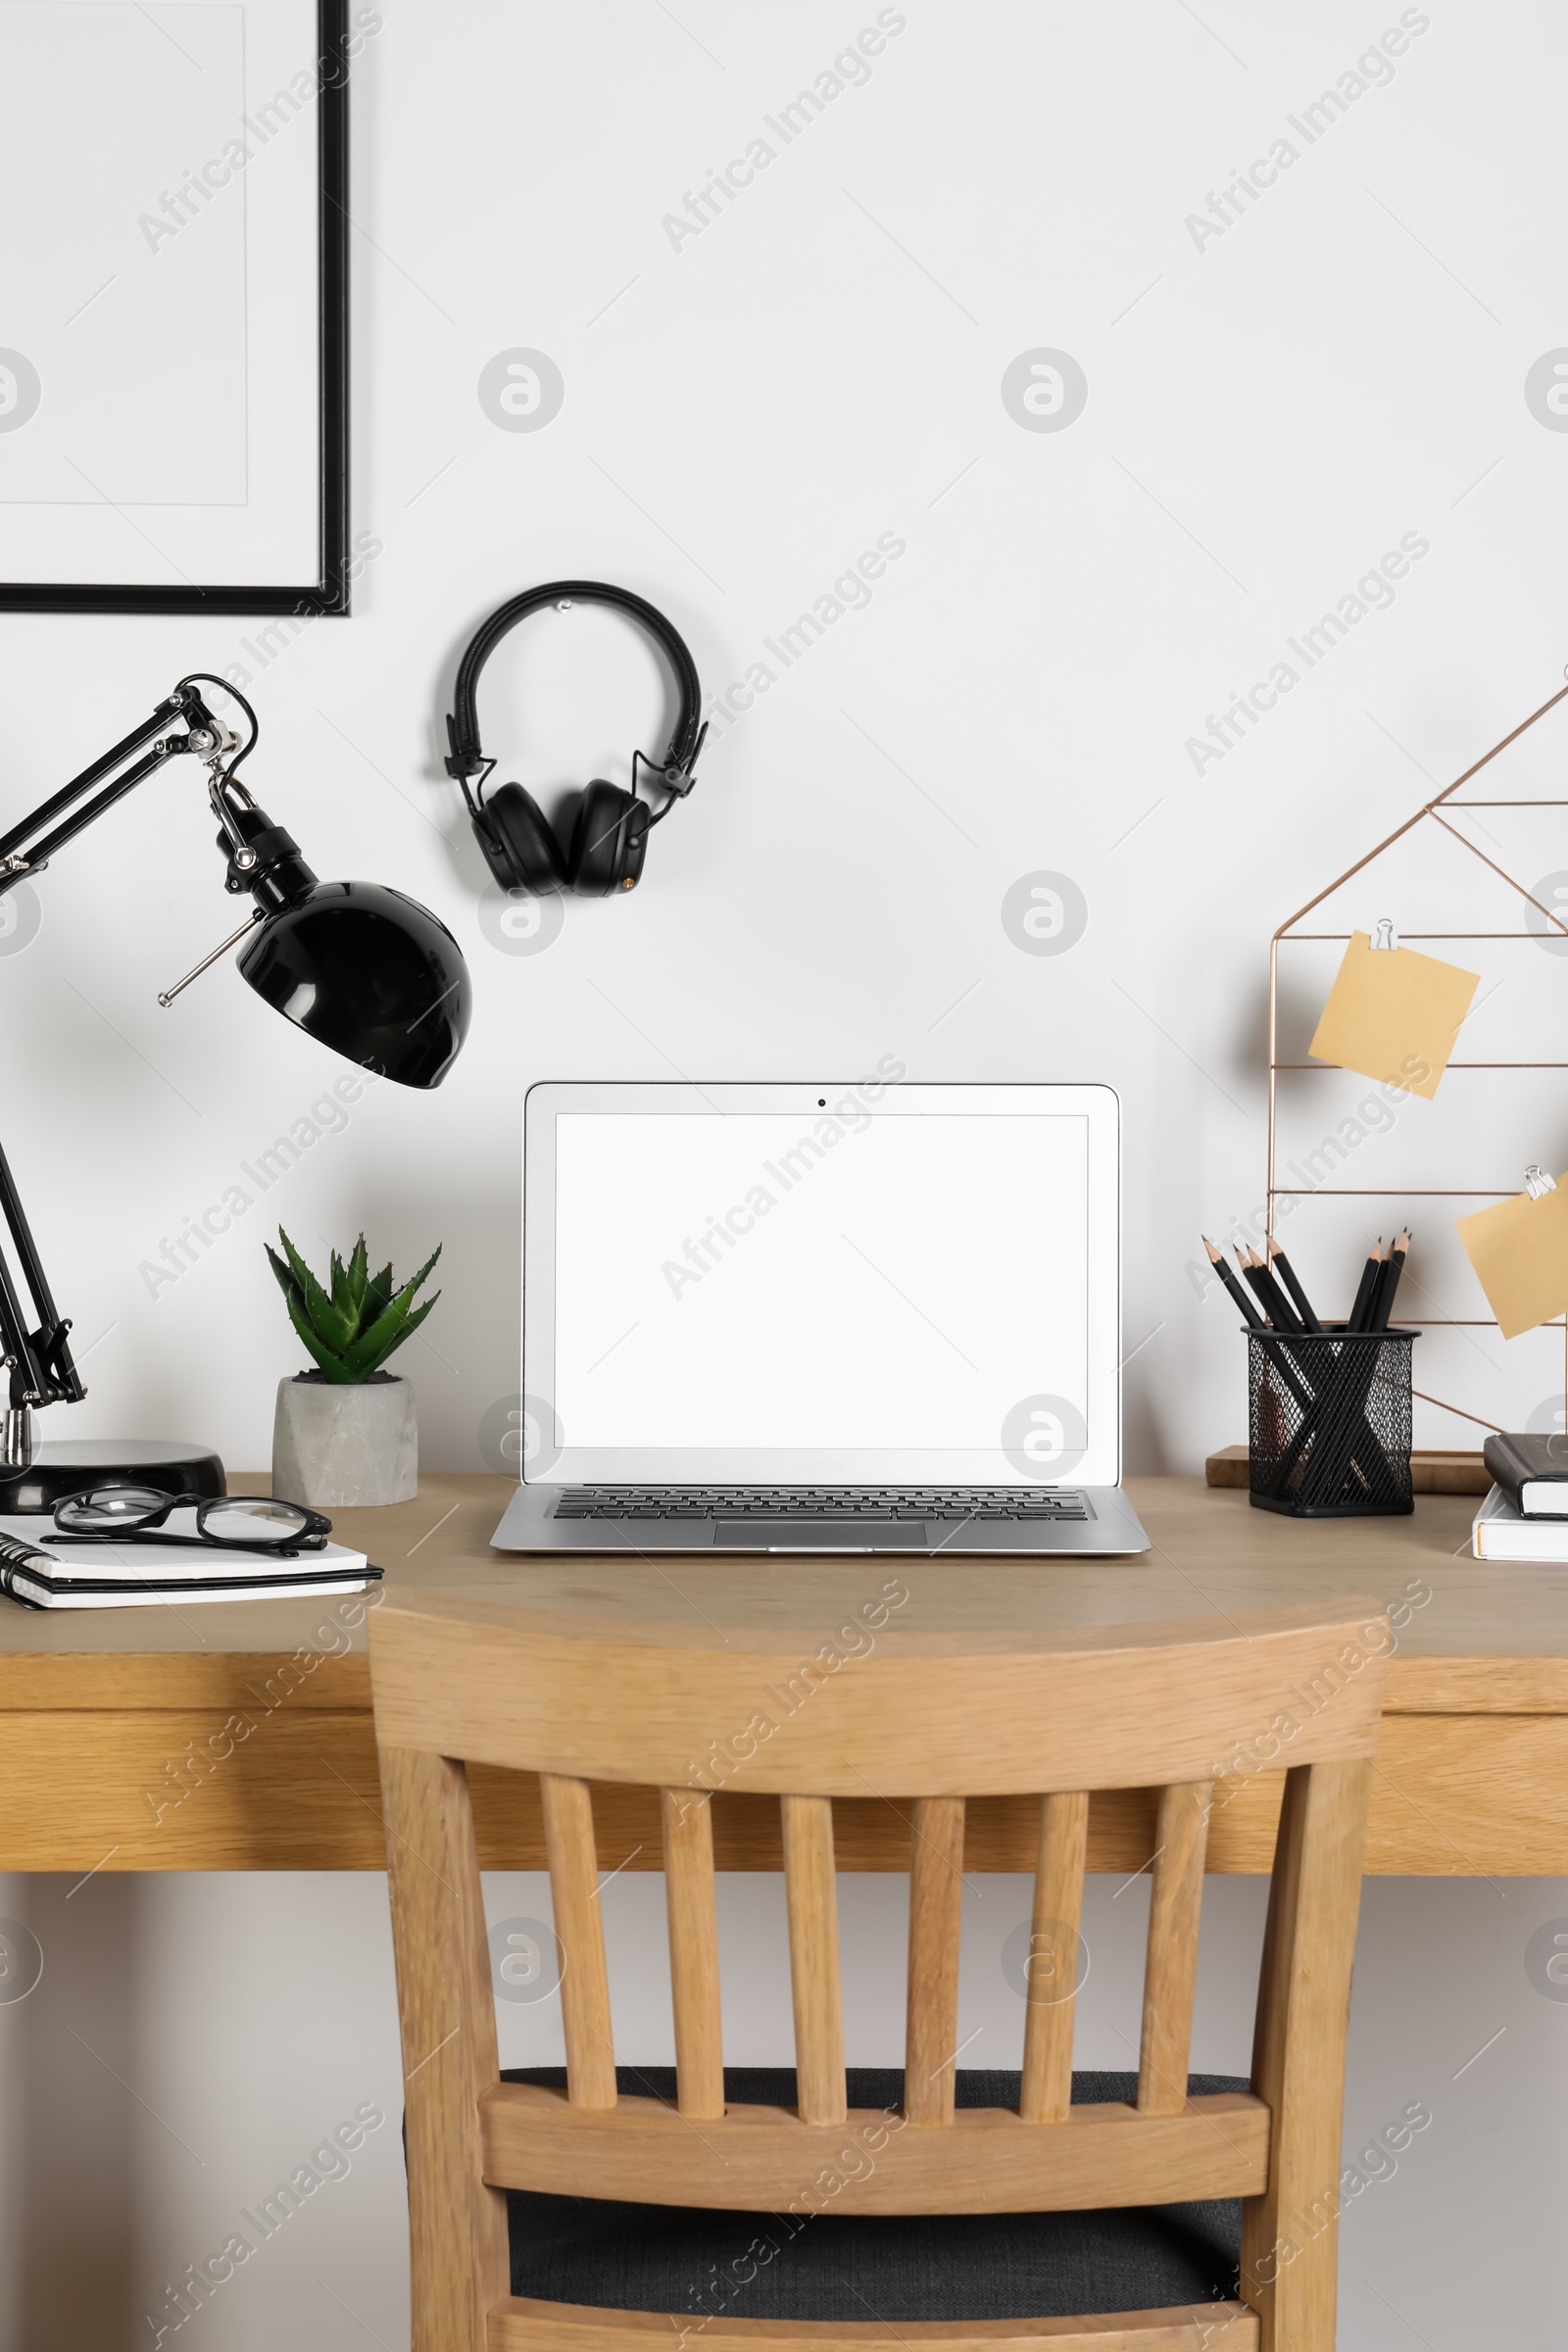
1500, 1533
127, 1575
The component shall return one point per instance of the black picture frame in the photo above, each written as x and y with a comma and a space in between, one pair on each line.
330, 593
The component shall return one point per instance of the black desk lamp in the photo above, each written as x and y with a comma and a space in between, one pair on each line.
358, 966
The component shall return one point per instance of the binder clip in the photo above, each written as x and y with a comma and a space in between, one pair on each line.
1387, 936
1538, 1184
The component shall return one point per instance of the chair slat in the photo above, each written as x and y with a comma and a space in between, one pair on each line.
936, 1904
568, 1812
760, 2159
688, 1827
1050, 1974
521, 2325
1170, 1969
811, 1893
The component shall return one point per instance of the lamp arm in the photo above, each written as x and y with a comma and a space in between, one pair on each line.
38, 1362
26, 849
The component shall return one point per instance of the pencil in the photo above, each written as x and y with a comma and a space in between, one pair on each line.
1378, 1280
1235, 1288
1276, 1305
1369, 1275
1381, 1306
1250, 1276
1282, 1266
1281, 1366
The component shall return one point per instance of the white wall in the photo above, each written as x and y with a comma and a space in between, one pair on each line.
746, 411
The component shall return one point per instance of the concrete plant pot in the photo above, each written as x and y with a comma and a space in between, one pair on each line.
337, 1444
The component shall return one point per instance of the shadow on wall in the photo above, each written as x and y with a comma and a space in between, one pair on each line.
466, 1367
68, 2052
1145, 1452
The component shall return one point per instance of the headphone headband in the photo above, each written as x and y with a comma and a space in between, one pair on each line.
462, 724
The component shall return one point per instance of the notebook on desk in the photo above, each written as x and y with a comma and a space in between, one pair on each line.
43, 1573
779, 1318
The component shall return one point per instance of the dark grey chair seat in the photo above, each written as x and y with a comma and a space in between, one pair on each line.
770, 2265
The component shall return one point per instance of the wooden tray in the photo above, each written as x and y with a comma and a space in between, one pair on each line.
1433, 1472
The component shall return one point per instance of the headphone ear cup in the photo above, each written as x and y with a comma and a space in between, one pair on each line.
609, 840
523, 842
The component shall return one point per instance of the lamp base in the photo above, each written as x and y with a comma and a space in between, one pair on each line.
166, 1463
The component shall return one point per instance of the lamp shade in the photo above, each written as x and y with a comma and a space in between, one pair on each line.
369, 972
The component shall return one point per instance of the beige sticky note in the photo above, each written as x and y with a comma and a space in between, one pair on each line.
1519, 1250
1393, 1015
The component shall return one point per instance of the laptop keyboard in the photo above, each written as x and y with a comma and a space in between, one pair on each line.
838, 1504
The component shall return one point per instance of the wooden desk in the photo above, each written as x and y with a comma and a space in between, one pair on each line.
239, 1737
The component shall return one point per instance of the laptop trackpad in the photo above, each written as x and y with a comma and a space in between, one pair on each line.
819, 1535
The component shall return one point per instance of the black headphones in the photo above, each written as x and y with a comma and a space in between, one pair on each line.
610, 831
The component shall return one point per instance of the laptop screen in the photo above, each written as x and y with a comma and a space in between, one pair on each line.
825, 1286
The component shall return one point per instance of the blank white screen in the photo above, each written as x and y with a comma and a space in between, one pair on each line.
903, 1286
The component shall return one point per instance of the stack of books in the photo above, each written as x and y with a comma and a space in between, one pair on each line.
1525, 1517
41, 1572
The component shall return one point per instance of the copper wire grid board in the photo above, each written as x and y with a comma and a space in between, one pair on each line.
1430, 811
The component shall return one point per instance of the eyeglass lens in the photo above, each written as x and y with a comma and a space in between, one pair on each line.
251, 1519
111, 1506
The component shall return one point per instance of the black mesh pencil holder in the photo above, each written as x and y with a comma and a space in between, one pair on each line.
1329, 1422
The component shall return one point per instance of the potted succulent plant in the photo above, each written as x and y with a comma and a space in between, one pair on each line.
345, 1432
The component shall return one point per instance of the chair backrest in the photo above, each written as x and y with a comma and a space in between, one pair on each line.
928, 1721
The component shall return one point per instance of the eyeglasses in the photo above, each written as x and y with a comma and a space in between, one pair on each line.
232, 1522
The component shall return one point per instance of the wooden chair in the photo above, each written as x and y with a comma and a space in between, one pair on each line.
932, 1719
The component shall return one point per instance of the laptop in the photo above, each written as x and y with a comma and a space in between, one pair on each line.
846, 1318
